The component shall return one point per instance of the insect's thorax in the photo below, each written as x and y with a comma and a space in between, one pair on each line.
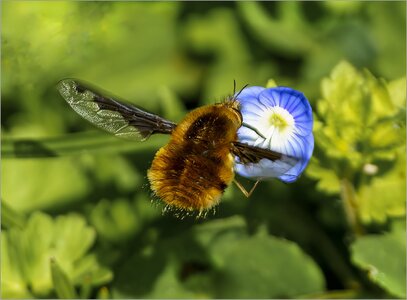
210, 127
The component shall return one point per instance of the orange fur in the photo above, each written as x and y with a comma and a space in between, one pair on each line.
192, 171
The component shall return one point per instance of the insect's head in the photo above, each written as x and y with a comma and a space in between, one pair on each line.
233, 106
233, 103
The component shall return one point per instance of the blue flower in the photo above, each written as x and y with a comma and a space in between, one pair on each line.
279, 119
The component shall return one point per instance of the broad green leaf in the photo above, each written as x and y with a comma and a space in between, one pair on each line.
383, 257
264, 267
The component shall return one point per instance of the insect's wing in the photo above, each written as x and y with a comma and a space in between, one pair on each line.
248, 155
123, 120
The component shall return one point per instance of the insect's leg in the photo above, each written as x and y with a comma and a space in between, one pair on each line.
244, 191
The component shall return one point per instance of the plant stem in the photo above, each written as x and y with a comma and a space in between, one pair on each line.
73, 144
350, 207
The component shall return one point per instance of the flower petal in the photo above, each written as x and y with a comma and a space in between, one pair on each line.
292, 174
250, 92
283, 117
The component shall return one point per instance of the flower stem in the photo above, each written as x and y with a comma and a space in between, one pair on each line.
350, 207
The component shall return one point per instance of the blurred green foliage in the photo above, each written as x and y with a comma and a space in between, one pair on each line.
77, 215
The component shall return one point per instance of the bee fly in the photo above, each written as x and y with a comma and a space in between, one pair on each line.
192, 171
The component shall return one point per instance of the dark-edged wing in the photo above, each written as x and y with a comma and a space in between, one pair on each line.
250, 154
123, 120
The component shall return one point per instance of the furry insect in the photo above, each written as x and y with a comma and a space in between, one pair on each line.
192, 171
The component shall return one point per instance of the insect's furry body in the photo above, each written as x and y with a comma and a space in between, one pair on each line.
192, 171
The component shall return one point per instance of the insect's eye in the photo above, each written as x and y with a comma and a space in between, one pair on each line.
238, 112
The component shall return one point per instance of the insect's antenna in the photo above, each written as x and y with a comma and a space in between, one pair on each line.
246, 85
234, 86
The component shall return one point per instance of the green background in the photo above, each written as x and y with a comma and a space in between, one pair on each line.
78, 218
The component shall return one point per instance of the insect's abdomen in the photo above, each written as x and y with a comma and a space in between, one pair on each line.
192, 171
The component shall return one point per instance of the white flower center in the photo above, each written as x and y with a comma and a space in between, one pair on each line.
275, 129
280, 119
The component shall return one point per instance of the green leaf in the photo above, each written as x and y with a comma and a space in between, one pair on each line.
13, 283
88, 271
397, 90
27, 253
383, 257
72, 237
327, 179
384, 196
61, 282
115, 220
11, 218
168, 285
264, 267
